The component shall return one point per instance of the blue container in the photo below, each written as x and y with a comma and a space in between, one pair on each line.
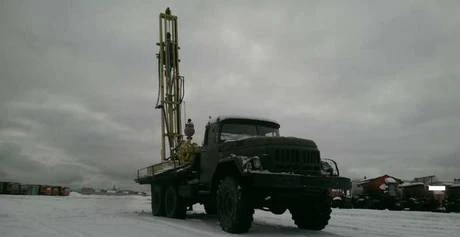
30, 189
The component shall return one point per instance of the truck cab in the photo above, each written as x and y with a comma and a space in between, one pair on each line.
225, 134
278, 173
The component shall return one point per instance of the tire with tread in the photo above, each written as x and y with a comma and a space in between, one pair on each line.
234, 209
312, 216
157, 200
174, 204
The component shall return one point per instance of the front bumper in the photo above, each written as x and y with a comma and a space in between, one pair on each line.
294, 184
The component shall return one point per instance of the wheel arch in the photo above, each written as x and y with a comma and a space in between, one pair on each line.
227, 167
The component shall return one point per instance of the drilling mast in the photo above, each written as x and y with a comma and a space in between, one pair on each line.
170, 85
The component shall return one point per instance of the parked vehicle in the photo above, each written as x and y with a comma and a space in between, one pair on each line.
417, 197
379, 193
341, 198
452, 203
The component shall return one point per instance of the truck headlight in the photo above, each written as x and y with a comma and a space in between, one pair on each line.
249, 166
348, 193
257, 164
253, 163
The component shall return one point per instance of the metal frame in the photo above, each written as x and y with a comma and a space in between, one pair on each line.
171, 85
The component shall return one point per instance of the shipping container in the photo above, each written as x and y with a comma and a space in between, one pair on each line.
64, 191
13, 188
2, 187
25, 189
55, 190
30, 189
45, 190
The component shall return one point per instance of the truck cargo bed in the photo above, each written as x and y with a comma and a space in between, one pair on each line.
161, 171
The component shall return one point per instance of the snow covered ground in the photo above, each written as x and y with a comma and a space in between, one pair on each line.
101, 216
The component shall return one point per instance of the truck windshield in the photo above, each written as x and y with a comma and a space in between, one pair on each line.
233, 132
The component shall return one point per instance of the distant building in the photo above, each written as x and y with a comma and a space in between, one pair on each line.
86, 190
427, 180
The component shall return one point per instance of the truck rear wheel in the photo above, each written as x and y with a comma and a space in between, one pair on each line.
234, 209
157, 200
174, 204
313, 216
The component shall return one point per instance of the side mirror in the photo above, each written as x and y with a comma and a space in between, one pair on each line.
329, 167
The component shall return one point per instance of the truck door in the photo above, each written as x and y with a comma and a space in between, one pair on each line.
209, 154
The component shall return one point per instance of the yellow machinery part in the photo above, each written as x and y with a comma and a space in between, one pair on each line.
187, 152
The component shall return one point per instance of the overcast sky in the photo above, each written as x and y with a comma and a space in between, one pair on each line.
374, 83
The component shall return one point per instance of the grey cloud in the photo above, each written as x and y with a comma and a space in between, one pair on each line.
17, 166
451, 159
374, 84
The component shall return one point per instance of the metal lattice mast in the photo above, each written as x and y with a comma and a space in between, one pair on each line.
171, 84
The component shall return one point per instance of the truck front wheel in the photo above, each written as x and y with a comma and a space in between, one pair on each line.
234, 209
312, 216
157, 200
174, 204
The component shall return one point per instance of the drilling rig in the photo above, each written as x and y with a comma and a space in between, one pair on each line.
242, 165
171, 84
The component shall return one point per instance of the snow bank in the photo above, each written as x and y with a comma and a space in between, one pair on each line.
112, 216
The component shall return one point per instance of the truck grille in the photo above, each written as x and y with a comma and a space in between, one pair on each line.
295, 160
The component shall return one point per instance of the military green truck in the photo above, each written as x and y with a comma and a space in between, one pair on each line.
452, 202
243, 163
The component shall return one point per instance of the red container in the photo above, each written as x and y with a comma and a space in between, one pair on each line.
378, 185
64, 191
45, 190
55, 191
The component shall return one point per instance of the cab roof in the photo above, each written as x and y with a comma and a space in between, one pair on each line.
241, 117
